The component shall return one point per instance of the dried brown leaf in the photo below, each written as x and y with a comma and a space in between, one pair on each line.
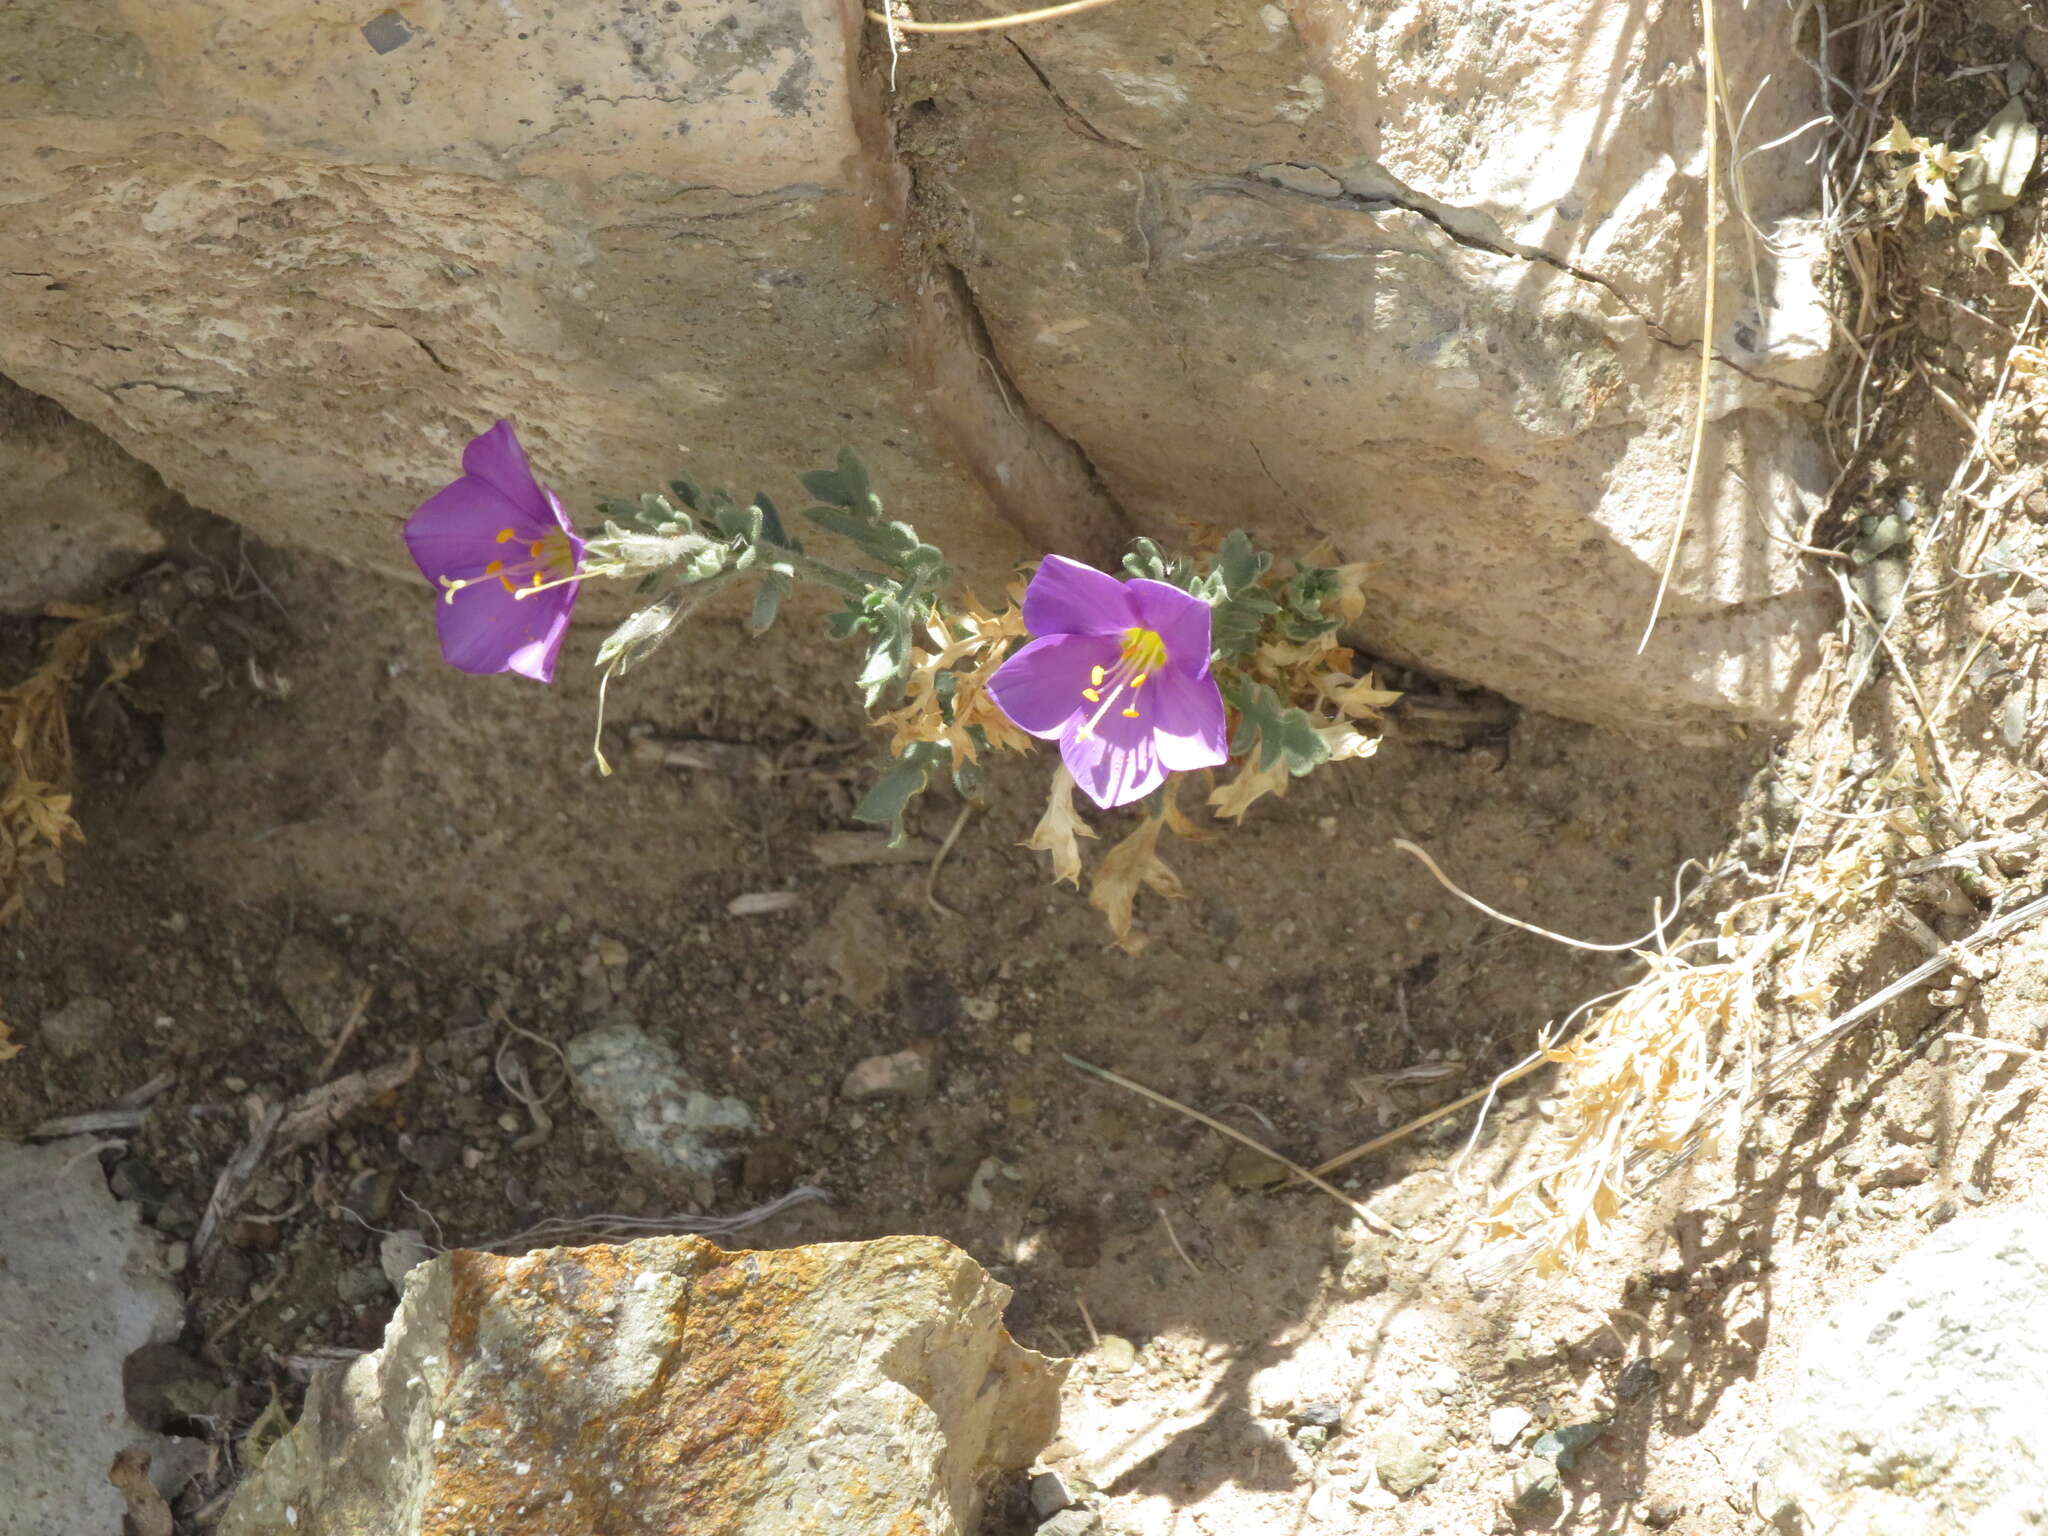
1132, 863
1060, 829
1253, 783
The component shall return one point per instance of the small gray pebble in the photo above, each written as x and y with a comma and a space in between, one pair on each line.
1638, 1377
1663, 1513
133, 1179
1049, 1495
1563, 1444
1322, 1415
1078, 1521
435, 1151
1535, 1483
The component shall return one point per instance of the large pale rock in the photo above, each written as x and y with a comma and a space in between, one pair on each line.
76, 511
667, 1386
82, 1286
1922, 1400
1417, 277
1413, 276
294, 272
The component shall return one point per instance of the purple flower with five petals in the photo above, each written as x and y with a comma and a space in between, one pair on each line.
506, 560
1119, 673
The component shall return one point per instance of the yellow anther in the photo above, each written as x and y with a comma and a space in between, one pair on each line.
494, 567
1143, 650
1130, 714
506, 535
1092, 695
1095, 676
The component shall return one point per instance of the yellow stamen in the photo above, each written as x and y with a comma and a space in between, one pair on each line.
548, 556
548, 586
1142, 653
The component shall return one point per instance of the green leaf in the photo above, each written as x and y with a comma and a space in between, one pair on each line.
1277, 733
771, 523
767, 601
1240, 563
1236, 621
886, 802
1146, 560
889, 542
888, 659
854, 476
735, 521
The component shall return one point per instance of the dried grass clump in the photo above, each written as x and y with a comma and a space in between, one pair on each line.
35, 747
1672, 1062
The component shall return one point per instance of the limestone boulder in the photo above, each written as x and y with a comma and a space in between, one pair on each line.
1921, 1402
667, 1385
1422, 280
1418, 279
82, 1287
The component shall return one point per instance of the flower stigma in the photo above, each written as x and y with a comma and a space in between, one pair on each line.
549, 556
1142, 653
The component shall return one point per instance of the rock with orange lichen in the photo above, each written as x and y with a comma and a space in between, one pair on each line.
667, 1386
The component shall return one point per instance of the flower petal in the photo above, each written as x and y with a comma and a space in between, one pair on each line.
496, 458
1068, 598
1039, 688
1115, 763
455, 531
561, 517
1186, 715
486, 629
1178, 619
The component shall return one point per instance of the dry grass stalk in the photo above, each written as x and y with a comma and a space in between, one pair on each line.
1674, 1060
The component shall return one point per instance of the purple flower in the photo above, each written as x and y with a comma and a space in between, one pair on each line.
505, 556
1119, 672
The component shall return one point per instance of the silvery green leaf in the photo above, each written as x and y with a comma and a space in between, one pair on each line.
885, 803
767, 601
1240, 563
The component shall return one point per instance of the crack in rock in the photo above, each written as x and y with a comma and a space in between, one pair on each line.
1371, 188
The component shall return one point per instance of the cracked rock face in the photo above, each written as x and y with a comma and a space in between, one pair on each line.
668, 1386
1420, 279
